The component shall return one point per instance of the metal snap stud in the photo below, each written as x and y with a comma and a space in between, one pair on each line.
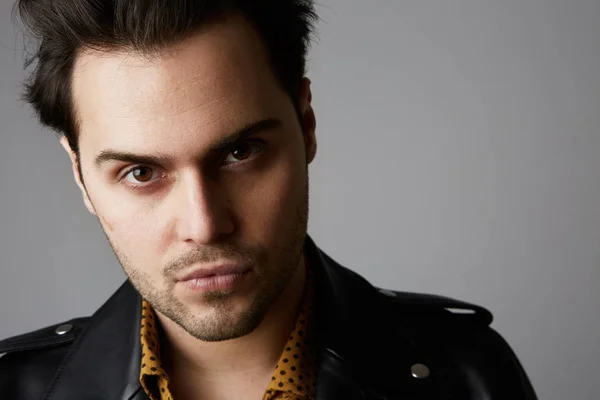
63, 329
420, 371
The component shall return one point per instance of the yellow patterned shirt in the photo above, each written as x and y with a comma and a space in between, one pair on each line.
293, 377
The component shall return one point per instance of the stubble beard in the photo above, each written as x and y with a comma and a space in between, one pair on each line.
220, 322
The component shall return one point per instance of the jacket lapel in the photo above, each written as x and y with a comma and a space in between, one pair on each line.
103, 363
345, 314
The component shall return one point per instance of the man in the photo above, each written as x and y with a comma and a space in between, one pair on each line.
190, 129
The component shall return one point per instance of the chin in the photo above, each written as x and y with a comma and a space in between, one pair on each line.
217, 325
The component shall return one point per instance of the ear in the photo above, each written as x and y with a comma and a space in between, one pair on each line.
308, 120
75, 165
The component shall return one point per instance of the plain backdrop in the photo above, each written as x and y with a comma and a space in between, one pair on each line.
459, 154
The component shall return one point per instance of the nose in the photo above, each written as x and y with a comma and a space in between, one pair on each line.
203, 212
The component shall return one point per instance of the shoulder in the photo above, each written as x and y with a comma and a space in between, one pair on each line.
395, 305
437, 322
433, 320
432, 307
459, 336
29, 361
418, 317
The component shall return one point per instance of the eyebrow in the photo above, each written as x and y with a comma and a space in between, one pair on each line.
219, 146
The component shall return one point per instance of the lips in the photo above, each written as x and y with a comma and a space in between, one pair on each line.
221, 270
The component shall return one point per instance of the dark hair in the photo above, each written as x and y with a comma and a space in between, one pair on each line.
63, 27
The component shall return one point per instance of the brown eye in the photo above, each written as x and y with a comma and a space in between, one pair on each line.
241, 153
140, 174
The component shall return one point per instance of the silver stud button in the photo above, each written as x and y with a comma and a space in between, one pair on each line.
420, 371
388, 293
63, 329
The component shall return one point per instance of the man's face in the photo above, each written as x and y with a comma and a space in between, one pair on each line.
193, 159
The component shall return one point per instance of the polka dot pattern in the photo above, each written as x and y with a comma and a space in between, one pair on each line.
153, 378
292, 379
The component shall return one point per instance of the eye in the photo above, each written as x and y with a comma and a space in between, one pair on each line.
242, 152
140, 174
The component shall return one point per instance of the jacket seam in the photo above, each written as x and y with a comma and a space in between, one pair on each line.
30, 345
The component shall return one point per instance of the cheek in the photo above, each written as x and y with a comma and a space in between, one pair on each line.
132, 229
270, 205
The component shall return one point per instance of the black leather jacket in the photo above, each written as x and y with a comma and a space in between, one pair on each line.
372, 344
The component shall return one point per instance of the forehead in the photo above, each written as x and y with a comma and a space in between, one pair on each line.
211, 83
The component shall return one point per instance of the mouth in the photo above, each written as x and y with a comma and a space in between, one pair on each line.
212, 278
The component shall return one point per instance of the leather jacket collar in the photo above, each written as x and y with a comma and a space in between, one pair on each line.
104, 361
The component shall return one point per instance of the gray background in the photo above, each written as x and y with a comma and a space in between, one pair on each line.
459, 153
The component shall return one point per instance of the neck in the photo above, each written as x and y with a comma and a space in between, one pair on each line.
254, 355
